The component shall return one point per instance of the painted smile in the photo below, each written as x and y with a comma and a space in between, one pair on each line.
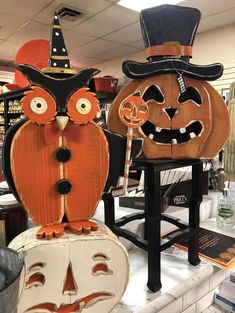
172, 136
75, 307
132, 121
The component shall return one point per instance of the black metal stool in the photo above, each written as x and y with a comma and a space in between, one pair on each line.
152, 242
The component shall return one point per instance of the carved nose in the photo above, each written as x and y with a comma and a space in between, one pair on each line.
171, 112
134, 112
70, 287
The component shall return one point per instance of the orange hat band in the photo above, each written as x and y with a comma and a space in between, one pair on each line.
171, 49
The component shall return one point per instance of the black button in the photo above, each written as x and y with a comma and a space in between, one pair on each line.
63, 186
63, 154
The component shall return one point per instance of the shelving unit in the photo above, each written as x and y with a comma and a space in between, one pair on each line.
105, 100
10, 110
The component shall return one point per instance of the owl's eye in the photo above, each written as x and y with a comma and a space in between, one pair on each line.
83, 106
38, 105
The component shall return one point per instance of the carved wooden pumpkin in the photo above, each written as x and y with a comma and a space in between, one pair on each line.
133, 111
86, 273
191, 124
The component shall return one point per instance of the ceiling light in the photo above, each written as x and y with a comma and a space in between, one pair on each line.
144, 4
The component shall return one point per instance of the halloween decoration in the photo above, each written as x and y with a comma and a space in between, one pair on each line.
34, 53
187, 117
59, 154
133, 112
179, 125
72, 273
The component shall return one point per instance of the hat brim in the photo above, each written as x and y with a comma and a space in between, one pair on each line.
137, 70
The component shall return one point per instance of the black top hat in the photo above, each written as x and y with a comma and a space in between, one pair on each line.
58, 62
168, 33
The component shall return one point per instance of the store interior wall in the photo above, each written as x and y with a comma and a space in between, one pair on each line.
217, 45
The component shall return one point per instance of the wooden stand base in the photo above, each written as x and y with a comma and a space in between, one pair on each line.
152, 215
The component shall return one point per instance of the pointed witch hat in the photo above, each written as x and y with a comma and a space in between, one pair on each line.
58, 62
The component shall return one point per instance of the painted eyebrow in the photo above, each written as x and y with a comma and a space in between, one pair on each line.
100, 257
36, 267
37, 279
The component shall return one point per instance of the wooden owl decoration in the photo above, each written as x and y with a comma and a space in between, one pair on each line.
187, 117
59, 157
58, 161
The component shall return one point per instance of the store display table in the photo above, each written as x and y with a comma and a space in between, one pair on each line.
185, 288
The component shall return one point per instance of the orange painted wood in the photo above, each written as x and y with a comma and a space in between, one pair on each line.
221, 125
82, 227
50, 231
189, 112
87, 170
212, 113
35, 171
69, 284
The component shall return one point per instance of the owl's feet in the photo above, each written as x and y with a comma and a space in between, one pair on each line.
82, 227
50, 231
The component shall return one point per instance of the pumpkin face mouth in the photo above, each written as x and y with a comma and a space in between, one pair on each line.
77, 306
172, 136
132, 121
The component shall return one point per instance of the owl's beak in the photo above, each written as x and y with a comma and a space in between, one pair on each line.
62, 121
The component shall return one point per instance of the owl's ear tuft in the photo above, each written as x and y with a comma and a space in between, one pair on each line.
84, 76
35, 76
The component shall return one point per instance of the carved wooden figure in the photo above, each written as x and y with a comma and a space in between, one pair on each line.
72, 273
58, 161
187, 116
133, 112
191, 124
59, 157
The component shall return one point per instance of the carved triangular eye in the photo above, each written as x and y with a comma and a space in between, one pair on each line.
190, 94
153, 93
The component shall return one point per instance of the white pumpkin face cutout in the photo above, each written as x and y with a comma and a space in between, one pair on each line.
73, 274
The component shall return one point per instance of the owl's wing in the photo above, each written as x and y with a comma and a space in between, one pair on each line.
117, 155
6, 153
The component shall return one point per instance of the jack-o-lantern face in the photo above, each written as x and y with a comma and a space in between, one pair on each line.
73, 273
133, 111
179, 125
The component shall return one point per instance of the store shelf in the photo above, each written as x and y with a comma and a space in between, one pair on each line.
15, 112
10, 101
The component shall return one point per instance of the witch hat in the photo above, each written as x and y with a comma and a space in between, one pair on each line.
168, 32
58, 56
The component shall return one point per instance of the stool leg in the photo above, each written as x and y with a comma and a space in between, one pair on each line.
152, 224
109, 214
194, 213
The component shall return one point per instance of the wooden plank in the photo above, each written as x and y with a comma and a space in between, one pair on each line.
35, 172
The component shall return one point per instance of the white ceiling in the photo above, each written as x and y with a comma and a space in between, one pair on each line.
105, 32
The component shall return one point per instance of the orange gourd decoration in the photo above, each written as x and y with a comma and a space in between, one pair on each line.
192, 124
187, 117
